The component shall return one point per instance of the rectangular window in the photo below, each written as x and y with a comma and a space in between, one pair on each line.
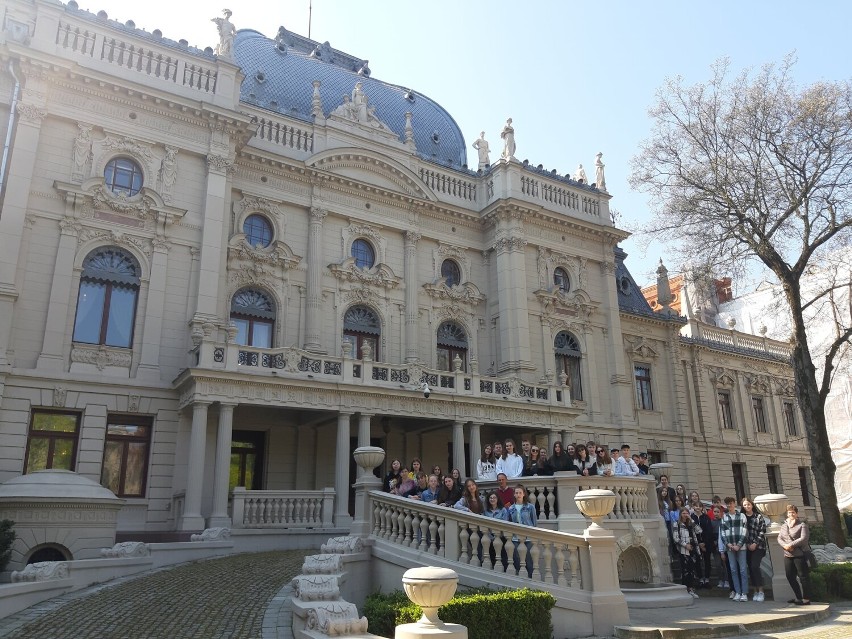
656, 457
52, 441
727, 416
247, 453
740, 480
805, 485
790, 419
125, 466
759, 415
642, 375
774, 474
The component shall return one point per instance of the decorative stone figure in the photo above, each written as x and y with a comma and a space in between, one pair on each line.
227, 32
82, 152
580, 175
600, 180
508, 135
168, 172
359, 103
481, 146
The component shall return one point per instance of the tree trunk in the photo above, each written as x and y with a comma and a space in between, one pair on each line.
813, 413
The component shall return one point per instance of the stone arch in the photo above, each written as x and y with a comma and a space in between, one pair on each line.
637, 558
50, 551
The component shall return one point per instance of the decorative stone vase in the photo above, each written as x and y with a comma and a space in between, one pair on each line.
430, 588
774, 506
368, 457
595, 504
658, 470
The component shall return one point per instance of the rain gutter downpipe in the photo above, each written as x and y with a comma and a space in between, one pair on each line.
7, 145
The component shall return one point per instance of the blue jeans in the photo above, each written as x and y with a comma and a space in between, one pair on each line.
739, 571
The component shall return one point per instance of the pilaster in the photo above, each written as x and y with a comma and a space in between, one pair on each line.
411, 291
192, 519
342, 518
149, 366
221, 477
313, 301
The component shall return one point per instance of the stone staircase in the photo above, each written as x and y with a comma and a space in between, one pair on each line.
318, 609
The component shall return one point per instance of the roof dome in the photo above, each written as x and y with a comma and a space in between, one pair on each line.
279, 76
57, 485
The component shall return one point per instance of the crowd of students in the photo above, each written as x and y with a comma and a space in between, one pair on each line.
736, 539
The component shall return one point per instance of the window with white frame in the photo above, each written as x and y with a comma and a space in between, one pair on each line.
451, 342
568, 359
123, 176
254, 316
642, 379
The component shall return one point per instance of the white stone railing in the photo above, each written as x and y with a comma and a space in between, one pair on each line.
279, 133
160, 63
739, 340
450, 185
282, 508
469, 539
296, 363
635, 497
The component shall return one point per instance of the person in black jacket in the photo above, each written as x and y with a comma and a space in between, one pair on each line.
560, 461
450, 492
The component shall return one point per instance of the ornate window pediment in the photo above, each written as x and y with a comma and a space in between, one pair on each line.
757, 383
466, 293
722, 378
557, 269
379, 275
640, 348
353, 165
97, 199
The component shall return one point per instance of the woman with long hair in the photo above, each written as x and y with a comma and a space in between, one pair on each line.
522, 512
794, 539
560, 461
582, 463
510, 463
535, 465
603, 462
455, 473
471, 500
486, 467
392, 479
416, 467
450, 492
755, 546
685, 534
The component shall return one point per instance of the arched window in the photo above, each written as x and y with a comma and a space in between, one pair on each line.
363, 253
451, 341
106, 303
561, 280
123, 176
451, 272
254, 315
258, 230
568, 358
362, 326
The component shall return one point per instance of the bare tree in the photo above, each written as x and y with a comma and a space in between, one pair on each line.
750, 168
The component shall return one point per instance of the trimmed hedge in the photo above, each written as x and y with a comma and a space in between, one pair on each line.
832, 582
7, 538
487, 613
818, 537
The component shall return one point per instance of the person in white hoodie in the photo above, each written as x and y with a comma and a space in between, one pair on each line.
624, 465
511, 464
486, 467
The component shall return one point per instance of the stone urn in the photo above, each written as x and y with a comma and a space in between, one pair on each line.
368, 457
774, 506
430, 588
595, 504
658, 470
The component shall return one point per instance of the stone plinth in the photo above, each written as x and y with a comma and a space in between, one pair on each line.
58, 509
430, 588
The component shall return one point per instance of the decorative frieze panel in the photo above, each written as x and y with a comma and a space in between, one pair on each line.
640, 348
380, 275
757, 383
116, 238
721, 377
101, 356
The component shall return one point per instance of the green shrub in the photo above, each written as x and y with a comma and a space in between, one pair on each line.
520, 614
818, 536
7, 538
832, 582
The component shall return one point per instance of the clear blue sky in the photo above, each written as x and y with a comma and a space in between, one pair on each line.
576, 78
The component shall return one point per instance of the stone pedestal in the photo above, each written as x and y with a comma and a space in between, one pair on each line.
774, 506
430, 588
367, 458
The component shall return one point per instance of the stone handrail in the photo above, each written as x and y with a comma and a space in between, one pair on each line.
542, 494
278, 132
297, 363
739, 340
469, 539
447, 184
282, 508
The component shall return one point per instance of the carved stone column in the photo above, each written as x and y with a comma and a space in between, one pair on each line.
509, 247
30, 113
313, 302
60, 297
458, 446
411, 291
342, 519
475, 447
192, 519
364, 430
213, 234
222, 470
149, 366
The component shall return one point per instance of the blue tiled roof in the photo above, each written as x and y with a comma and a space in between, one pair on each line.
630, 298
287, 89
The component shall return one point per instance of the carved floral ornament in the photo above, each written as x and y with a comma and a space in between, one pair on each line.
249, 204
93, 196
641, 348
466, 293
576, 268
558, 306
101, 356
721, 377
380, 275
757, 383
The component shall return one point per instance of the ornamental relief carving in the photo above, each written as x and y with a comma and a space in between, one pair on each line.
277, 254
785, 387
757, 383
640, 347
101, 356
548, 261
31, 113
115, 237
380, 275
371, 233
721, 377
466, 294
249, 204
361, 295
249, 273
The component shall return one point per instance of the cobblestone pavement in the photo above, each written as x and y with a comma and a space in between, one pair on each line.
838, 626
214, 599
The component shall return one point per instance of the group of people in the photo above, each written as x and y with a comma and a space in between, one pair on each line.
737, 538
583, 459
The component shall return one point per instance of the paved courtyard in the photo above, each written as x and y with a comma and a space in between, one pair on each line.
214, 599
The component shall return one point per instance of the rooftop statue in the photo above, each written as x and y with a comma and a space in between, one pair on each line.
508, 135
227, 32
580, 175
600, 180
481, 146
